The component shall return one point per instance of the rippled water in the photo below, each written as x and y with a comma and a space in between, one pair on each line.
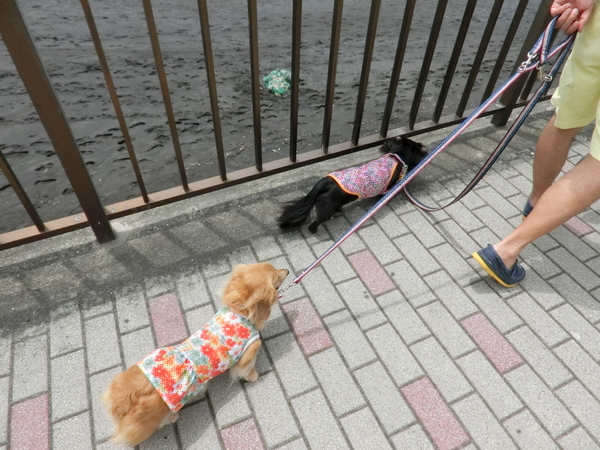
65, 45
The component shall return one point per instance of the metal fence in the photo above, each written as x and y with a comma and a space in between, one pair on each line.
459, 74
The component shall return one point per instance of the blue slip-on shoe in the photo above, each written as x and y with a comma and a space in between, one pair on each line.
493, 265
527, 209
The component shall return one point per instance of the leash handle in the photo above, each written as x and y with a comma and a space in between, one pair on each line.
538, 55
536, 58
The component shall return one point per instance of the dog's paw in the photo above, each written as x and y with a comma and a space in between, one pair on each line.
171, 417
252, 376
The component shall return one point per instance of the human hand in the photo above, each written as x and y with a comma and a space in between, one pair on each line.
573, 14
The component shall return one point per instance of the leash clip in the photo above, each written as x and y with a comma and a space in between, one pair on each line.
531, 58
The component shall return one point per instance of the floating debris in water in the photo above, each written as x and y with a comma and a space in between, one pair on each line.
278, 81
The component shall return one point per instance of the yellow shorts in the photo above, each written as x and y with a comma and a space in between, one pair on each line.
577, 98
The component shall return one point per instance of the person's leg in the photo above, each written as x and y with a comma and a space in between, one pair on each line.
551, 151
571, 194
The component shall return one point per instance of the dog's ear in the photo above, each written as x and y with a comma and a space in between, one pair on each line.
260, 302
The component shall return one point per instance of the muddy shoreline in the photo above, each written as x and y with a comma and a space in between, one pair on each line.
65, 45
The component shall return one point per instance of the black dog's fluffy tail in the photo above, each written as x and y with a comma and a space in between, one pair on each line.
296, 212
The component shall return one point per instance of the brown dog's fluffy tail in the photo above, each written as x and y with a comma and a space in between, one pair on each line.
135, 406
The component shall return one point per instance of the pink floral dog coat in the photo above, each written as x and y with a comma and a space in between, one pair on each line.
370, 179
180, 371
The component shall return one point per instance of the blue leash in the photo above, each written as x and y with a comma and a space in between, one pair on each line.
536, 59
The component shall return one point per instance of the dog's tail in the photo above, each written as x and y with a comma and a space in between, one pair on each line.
296, 212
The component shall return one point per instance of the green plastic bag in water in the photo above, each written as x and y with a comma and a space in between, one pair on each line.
278, 81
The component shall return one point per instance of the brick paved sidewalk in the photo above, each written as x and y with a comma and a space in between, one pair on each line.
397, 340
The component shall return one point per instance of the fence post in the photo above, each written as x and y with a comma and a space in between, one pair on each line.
511, 96
21, 48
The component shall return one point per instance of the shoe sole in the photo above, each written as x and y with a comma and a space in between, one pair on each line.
489, 271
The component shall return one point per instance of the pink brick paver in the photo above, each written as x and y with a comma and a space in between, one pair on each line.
435, 415
307, 326
167, 319
371, 273
578, 227
29, 425
492, 343
242, 435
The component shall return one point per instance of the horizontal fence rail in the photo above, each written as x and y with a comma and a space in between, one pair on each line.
207, 59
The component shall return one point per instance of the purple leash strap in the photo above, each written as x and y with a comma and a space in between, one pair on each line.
536, 58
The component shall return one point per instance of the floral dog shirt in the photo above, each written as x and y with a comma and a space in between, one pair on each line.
370, 179
178, 372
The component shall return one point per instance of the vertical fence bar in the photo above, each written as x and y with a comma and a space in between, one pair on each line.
409, 10
212, 86
295, 88
16, 185
433, 37
21, 48
164, 86
508, 39
511, 96
485, 39
255, 79
456, 51
89, 17
366, 67
336, 26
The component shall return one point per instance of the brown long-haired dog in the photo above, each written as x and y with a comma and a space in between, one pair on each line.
148, 395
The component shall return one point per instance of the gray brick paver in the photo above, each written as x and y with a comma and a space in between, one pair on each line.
72, 433
416, 254
410, 283
68, 392
196, 428
385, 399
442, 371
66, 333
337, 382
403, 317
541, 401
490, 385
291, 365
322, 292
229, 401
413, 438
575, 268
4, 402
449, 332
274, 417
364, 432
585, 407
136, 345
497, 311
527, 432
481, 424
365, 309
542, 323
539, 357
585, 333
379, 244
30, 377
101, 343
585, 369
350, 340
394, 355
577, 440
581, 300
318, 424
131, 311
336, 265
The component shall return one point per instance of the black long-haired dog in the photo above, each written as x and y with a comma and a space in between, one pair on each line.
336, 189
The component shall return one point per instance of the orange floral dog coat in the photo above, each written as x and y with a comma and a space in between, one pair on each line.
180, 371
371, 178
